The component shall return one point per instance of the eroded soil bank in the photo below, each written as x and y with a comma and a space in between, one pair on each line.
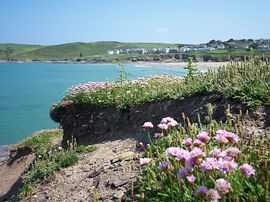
92, 125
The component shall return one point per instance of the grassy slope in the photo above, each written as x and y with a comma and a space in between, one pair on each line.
19, 48
73, 50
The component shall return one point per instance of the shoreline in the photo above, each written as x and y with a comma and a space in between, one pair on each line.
200, 65
182, 64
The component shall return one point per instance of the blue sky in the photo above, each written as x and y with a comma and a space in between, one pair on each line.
173, 21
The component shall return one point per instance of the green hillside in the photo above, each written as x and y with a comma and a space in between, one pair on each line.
18, 48
73, 50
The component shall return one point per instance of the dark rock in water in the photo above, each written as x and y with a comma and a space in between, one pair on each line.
5, 151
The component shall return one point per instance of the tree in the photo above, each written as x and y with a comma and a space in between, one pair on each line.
7, 52
254, 46
213, 41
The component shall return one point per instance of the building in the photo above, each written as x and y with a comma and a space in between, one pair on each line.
263, 48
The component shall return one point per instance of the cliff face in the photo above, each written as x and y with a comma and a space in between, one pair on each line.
91, 125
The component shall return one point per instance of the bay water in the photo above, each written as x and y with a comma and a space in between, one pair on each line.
28, 90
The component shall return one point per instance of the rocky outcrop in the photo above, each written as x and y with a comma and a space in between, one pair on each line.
5, 151
91, 125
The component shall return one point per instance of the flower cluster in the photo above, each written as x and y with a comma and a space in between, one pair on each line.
167, 123
88, 87
195, 157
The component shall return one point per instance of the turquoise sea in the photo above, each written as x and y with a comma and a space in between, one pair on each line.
28, 90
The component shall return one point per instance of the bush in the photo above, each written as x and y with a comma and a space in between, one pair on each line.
47, 166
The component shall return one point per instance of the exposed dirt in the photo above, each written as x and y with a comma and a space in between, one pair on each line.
11, 171
90, 125
106, 173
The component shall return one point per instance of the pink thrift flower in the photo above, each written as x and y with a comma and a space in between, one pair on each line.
232, 151
226, 166
166, 120
187, 141
158, 135
201, 192
224, 156
198, 143
215, 152
172, 151
213, 195
145, 161
191, 179
231, 137
210, 164
196, 153
183, 172
223, 186
162, 126
247, 170
165, 165
221, 139
203, 136
172, 123
192, 162
182, 155
148, 125
60, 148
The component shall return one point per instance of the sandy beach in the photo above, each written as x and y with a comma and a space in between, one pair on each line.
200, 65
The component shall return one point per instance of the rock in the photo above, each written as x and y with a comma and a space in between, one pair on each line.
123, 157
94, 174
107, 200
118, 195
5, 151
118, 183
96, 182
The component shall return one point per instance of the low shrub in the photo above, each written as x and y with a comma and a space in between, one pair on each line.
49, 164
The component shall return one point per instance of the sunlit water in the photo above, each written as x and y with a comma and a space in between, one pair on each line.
28, 90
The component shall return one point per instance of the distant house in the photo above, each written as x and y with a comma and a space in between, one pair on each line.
220, 46
110, 52
263, 48
184, 49
173, 50
206, 49
241, 46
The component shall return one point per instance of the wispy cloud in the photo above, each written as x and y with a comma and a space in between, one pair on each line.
162, 30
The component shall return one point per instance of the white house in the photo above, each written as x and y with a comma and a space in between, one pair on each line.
220, 46
110, 52
263, 48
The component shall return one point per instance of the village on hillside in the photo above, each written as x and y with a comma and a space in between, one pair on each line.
245, 44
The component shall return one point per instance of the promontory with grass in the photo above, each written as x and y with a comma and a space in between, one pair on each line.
134, 101
204, 137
